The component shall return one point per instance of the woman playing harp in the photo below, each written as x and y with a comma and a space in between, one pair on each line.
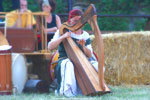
65, 70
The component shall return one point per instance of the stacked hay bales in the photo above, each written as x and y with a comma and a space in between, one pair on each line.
126, 57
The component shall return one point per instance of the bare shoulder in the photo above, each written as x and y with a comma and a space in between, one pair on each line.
58, 20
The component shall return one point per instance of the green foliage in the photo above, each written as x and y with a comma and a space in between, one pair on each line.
124, 7
109, 24
140, 24
116, 7
33, 5
60, 6
7, 5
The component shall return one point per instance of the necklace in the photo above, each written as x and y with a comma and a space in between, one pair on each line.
49, 18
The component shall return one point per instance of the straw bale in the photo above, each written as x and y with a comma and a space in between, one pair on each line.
126, 57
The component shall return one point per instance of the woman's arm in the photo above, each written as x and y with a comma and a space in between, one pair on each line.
58, 24
53, 29
54, 44
85, 49
58, 21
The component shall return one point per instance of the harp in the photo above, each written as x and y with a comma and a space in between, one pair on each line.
90, 82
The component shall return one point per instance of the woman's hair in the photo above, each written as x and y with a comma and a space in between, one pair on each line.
73, 13
52, 3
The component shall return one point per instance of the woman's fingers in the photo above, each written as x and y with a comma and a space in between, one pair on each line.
81, 42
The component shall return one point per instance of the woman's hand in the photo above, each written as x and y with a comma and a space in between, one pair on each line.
66, 35
85, 49
81, 42
52, 30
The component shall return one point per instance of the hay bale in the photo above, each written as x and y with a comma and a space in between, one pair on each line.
126, 57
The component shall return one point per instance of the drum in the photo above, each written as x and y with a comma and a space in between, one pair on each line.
5, 70
53, 63
19, 72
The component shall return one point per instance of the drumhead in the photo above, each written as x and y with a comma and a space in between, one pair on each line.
19, 72
5, 49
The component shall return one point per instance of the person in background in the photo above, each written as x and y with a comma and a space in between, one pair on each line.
53, 21
67, 84
21, 17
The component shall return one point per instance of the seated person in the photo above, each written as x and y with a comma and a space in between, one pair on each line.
53, 21
21, 17
67, 84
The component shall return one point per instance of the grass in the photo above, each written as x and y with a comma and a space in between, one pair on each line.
124, 92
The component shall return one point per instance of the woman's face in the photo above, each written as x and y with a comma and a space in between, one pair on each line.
46, 8
74, 20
